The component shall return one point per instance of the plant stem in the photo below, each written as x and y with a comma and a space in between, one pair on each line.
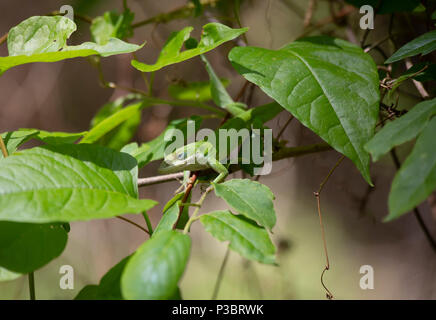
147, 221
133, 223
220, 274
32, 286
3, 147
199, 203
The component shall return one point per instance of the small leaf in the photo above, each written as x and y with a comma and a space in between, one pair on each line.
249, 198
14, 139
25, 247
6, 275
105, 126
330, 85
401, 130
193, 91
53, 137
245, 236
69, 182
213, 35
40, 34
416, 179
39, 39
171, 214
424, 44
109, 287
155, 269
121, 127
219, 93
112, 25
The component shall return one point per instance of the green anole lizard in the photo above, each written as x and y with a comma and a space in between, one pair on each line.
196, 156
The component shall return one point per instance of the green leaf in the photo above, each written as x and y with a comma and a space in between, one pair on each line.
401, 130
6, 275
387, 6
154, 270
219, 93
249, 198
213, 35
330, 85
155, 149
69, 182
121, 116
112, 25
109, 287
53, 137
416, 179
25, 247
244, 235
40, 34
193, 91
423, 45
39, 39
13, 139
171, 214
122, 126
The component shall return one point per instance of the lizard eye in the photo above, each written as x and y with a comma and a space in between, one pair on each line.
181, 156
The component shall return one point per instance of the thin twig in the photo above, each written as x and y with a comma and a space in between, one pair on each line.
317, 194
32, 286
186, 196
291, 117
220, 274
418, 85
3, 147
133, 223
143, 182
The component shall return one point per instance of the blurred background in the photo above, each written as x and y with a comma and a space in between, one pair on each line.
64, 96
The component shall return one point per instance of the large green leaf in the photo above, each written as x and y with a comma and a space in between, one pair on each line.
109, 287
249, 198
39, 39
112, 25
6, 275
401, 130
244, 235
424, 44
69, 183
213, 35
25, 247
156, 267
330, 85
416, 179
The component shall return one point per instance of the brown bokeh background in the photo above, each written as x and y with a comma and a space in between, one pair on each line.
64, 96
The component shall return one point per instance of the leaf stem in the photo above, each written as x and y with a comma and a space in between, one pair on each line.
133, 223
32, 286
3, 147
148, 222
199, 203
